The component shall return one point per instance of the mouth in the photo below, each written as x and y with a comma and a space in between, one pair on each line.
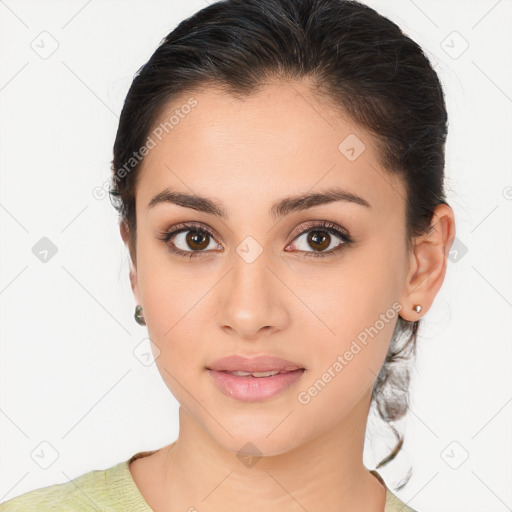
255, 386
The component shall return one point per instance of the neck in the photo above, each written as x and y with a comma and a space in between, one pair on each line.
324, 473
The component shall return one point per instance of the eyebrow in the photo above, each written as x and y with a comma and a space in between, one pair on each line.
279, 209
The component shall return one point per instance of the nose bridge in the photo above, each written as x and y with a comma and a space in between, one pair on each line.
249, 300
250, 271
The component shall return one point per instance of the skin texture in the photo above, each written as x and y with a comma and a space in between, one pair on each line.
247, 154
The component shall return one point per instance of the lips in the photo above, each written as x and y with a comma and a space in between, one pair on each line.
250, 388
255, 366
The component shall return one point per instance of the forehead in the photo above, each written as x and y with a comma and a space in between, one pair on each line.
282, 140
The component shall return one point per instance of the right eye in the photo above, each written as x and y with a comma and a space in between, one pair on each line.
193, 236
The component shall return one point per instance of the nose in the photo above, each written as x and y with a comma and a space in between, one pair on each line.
252, 299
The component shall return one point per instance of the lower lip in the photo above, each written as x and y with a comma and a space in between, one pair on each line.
252, 389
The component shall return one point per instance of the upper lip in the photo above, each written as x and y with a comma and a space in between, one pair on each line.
264, 363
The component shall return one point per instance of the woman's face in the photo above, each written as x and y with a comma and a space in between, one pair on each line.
255, 287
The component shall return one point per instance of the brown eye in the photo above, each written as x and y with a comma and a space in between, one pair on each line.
189, 240
197, 240
324, 238
192, 240
320, 240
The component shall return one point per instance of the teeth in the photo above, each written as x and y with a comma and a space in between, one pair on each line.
254, 374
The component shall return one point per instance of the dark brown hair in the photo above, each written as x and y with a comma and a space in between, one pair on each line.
351, 55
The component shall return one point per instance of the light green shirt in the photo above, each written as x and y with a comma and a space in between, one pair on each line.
113, 490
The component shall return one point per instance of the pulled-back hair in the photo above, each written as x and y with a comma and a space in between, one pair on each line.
359, 60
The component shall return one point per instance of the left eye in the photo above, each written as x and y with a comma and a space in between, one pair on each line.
321, 239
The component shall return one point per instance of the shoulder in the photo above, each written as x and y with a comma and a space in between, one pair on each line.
394, 504
95, 490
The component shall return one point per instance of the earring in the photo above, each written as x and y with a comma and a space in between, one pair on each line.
139, 317
417, 308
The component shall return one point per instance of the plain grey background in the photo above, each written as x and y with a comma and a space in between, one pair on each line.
77, 392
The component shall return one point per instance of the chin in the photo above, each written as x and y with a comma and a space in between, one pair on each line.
256, 443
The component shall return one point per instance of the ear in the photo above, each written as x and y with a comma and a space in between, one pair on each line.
125, 235
427, 264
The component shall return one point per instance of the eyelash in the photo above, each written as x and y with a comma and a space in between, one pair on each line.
325, 226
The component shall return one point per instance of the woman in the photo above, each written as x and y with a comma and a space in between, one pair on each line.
278, 170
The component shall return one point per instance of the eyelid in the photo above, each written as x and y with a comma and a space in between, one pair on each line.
320, 224
187, 225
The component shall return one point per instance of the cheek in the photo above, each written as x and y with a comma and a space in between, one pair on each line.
176, 313
346, 362
175, 322
169, 290
355, 297
360, 311
177, 308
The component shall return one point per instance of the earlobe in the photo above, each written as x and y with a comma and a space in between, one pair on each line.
428, 262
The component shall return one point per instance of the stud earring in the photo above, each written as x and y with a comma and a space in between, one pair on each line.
139, 317
417, 308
